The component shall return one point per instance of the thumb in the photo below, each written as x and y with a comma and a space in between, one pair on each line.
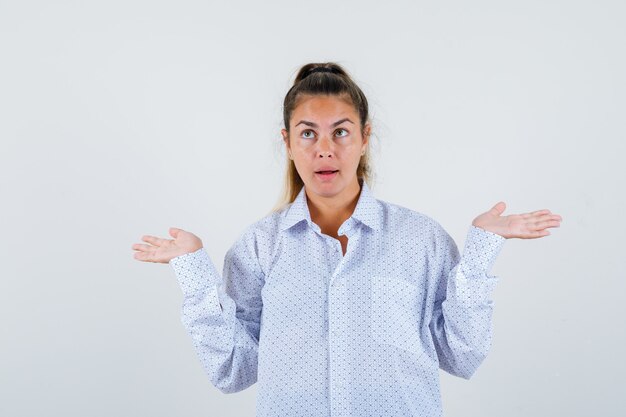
498, 209
174, 232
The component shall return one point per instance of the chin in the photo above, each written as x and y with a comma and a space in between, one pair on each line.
327, 189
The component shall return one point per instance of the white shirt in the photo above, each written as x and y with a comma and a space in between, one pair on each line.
325, 334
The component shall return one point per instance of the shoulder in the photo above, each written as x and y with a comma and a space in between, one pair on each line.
423, 232
260, 231
259, 238
403, 219
266, 227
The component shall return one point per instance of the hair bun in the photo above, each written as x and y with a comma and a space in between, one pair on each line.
321, 69
314, 67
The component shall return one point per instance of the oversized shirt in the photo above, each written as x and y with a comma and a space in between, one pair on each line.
327, 334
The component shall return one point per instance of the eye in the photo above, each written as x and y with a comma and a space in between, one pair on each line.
306, 131
341, 129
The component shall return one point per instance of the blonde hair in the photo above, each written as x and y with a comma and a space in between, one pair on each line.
326, 78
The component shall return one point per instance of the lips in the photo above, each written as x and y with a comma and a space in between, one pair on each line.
326, 170
326, 176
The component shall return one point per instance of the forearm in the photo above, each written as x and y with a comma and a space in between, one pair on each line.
227, 351
462, 325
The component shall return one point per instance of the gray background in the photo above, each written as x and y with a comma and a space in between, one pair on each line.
123, 118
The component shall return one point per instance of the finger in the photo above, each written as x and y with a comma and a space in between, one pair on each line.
541, 225
536, 234
543, 233
142, 247
144, 256
550, 223
535, 213
498, 208
156, 241
547, 217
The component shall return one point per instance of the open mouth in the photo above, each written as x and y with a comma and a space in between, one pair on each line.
326, 175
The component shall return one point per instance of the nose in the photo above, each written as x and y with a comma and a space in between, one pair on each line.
325, 147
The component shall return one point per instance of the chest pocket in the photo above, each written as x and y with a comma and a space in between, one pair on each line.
395, 313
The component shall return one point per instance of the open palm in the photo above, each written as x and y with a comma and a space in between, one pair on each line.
523, 226
163, 250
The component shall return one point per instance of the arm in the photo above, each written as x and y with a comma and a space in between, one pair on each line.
461, 324
223, 315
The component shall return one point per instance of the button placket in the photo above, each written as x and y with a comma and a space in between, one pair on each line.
337, 325
337, 348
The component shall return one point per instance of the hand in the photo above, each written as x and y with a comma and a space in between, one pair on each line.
523, 226
163, 250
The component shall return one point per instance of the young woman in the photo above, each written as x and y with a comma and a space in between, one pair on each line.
337, 303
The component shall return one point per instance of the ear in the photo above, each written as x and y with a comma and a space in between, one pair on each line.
285, 135
367, 130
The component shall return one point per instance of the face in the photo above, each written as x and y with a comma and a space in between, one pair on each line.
325, 134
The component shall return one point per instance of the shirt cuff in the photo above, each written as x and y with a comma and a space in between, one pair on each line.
195, 272
481, 250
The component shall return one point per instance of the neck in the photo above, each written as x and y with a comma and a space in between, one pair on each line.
329, 213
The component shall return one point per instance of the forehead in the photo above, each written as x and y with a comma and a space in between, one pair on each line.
323, 108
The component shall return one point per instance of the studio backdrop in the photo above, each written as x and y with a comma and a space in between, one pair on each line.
124, 118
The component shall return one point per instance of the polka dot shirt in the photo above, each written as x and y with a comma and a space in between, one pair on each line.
327, 334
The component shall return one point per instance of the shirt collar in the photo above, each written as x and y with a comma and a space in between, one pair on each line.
368, 210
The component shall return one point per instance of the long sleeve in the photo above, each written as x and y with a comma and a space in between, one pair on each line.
222, 316
461, 324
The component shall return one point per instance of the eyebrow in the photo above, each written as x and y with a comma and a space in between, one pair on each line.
337, 123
